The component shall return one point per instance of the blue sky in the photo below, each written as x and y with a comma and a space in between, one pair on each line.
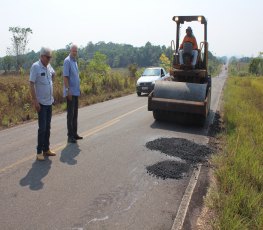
234, 27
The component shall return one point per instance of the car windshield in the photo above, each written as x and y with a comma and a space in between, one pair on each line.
152, 72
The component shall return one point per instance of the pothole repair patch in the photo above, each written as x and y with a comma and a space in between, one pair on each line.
189, 151
168, 169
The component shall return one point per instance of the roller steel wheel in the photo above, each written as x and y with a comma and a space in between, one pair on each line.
201, 120
180, 91
157, 115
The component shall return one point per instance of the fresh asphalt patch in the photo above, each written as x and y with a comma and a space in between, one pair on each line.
190, 152
169, 169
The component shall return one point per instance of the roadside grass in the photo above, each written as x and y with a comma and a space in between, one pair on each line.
238, 199
15, 98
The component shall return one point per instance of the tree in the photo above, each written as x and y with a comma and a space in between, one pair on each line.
133, 69
150, 54
19, 43
58, 57
98, 64
82, 64
165, 62
256, 66
7, 63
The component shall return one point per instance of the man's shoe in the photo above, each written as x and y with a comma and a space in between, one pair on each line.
77, 137
40, 157
49, 153
72, 140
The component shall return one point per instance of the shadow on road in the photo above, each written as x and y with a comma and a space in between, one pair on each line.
38, 171
144, 95
185, 127
69, 153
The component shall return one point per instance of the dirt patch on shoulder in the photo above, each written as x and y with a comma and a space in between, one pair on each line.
207, 216
214, 132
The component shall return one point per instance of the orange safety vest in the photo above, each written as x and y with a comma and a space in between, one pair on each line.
190, 39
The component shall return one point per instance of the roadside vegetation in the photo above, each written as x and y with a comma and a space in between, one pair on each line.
15, 99
237, 197
98, 83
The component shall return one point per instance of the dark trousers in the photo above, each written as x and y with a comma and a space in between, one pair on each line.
72, 116
44, 121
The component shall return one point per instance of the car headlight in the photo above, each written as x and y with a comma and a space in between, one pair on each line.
153, 82
137, 83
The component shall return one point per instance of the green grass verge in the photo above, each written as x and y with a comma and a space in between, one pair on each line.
239, 169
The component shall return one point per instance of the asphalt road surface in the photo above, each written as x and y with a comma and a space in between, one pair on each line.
101, 182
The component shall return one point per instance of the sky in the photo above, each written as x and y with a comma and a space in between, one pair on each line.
235, 27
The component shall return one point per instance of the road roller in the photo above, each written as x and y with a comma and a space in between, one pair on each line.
187, 95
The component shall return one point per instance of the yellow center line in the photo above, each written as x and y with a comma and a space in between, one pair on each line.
84, 134
132, 111
17, 163
99, 128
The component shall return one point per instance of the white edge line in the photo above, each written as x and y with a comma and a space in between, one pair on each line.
181, 213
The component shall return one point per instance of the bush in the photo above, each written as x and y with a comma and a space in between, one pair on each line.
243, 74
256, 66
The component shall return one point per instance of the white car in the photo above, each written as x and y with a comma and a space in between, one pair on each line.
146, 82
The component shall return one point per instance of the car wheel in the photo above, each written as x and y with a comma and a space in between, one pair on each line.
139, 93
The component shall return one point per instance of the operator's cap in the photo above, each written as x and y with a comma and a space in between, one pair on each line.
189, 29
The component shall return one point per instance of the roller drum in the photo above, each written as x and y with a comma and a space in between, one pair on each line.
180, 91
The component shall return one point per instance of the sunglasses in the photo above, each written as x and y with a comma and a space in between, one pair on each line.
48, 57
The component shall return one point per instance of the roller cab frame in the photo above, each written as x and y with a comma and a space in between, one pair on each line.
196, 79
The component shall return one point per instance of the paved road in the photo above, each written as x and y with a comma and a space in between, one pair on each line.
99, 183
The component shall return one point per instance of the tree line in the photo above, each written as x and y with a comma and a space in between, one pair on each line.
118, 55
247, 65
